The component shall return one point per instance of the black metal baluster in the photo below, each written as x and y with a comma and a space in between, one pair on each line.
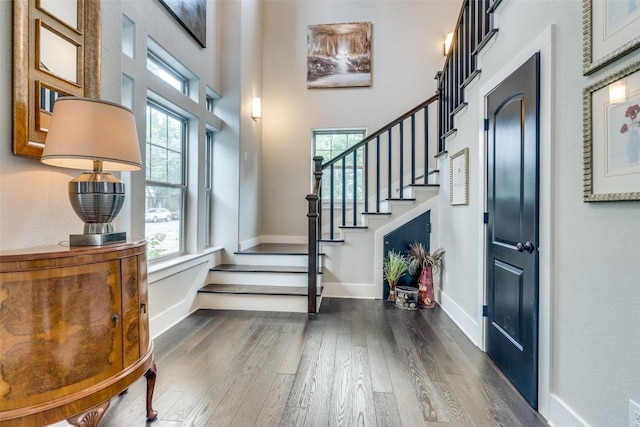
389, 169
413, 148
331, 204
378, 173
355, 189
365, 177
426, 143
401, 166
344, 192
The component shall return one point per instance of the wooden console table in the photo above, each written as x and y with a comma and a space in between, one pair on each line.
74, 332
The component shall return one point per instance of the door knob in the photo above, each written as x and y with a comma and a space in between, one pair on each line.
528, 246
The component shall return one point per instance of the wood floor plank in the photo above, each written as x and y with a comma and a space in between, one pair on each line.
431, 405
254, 398
275, 401
358, 362
294, 351
408, 406
386, 410
342, 389
363, 411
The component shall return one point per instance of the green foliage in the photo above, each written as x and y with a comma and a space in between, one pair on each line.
395, 265
153, 243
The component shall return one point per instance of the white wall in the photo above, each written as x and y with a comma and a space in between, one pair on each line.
34, 205
34, 201
591, 250
406, 53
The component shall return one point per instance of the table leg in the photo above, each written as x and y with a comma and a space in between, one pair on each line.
150, 375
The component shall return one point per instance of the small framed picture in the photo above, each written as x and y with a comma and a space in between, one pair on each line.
459, 178
612, 137
610, 30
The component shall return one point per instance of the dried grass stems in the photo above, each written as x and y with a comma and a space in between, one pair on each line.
419, 258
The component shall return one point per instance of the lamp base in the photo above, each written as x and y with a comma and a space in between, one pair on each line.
97, 239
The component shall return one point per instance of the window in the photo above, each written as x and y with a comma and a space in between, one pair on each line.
331, 143
209, 103
170, 76
208, 186
165, 181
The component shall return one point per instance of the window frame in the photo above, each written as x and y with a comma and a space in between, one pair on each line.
340, 131
182, 186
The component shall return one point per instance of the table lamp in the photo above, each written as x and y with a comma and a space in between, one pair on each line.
93, 134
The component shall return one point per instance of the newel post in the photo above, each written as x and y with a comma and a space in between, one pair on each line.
313, 228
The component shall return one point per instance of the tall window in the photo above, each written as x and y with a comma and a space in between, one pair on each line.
331, 143
165, 181
208, 186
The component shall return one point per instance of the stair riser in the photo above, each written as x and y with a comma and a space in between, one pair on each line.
257, 278
283, 303
273, 260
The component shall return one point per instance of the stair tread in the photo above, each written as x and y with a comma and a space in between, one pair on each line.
354, 227
276, 249
377, 213
424, 185
256, 289
239, 268
405, 199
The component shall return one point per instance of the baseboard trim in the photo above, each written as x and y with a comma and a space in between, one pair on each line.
465, 322
164, 321
249, 243
561, 415
284, 239
349, 290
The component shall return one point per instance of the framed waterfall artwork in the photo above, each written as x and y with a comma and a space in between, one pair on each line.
611, 131
192, 15
459, 178
339, 55
611, 29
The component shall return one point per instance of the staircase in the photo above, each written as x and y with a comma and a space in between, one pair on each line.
398, 179
266, 277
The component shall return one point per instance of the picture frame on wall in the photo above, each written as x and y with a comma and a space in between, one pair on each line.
192, 15
610, 31
612, 137
459, 178
339, 55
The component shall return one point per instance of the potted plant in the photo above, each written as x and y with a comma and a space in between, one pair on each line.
395, 265
427, 263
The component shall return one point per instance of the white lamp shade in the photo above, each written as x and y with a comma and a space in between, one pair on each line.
83, 130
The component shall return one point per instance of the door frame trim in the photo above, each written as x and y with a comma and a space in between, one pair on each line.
543, 43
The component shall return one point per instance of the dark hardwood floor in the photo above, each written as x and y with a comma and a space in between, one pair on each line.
360, 362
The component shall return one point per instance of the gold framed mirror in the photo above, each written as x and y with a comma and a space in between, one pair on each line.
56, 52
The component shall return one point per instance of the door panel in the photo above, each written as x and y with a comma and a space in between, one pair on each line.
512, 230
416, 230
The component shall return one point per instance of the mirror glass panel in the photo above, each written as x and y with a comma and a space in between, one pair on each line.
58, 55
46, 97
65, 10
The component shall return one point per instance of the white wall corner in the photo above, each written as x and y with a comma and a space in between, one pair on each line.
466, 323
561, 415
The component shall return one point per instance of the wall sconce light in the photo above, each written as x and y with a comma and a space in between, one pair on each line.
256, 108
617, 92
92, 134
447, 43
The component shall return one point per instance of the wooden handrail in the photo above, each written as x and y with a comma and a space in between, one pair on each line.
380, 131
